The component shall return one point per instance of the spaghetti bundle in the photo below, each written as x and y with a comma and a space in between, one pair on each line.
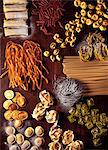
24, 65
92, 74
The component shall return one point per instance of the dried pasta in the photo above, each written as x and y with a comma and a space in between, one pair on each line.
89, 116
24, 65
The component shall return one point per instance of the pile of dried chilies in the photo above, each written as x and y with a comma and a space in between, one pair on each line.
24, 65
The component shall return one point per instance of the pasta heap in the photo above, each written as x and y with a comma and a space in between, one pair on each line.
24, 65
67, 91
49, 14
93, 46
86, 114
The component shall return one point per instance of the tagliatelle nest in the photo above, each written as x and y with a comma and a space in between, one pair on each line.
55, 146
24, 65
55, 132
68, 91
93, 46
67, 137
46, 98
39, 111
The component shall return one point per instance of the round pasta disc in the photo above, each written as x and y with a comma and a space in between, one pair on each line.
9, 94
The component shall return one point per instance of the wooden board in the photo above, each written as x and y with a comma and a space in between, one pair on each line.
93, 74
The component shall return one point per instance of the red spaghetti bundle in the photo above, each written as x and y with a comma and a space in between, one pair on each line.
49, 13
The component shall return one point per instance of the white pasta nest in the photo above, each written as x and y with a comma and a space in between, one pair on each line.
67, 91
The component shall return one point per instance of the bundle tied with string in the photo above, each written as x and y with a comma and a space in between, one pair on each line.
67, 91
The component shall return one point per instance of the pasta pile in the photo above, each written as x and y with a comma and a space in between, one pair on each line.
67, 91
49, 14
24, 65
87, 14
86, 114
93, 46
